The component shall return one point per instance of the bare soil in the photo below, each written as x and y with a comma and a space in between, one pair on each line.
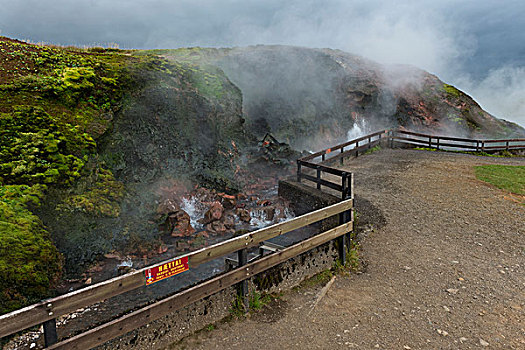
443, 267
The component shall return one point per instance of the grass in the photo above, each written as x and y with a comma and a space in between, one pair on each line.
510, 178
504, 153
373, 149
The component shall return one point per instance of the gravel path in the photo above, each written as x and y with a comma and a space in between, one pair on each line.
443, 258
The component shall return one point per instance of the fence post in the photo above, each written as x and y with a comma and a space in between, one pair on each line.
391, 136
342, 151
341, 240
430, 142
482, 146
437, 143
318, 169
356, 147
242, 256
369, 142
323, 157
298, 170
507, 146
477, 145
50, 332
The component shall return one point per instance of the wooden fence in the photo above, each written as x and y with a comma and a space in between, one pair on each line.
47, 311
455, 143
316, 163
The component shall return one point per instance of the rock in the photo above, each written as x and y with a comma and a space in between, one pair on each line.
217, 227
452, 291
167, 206
229, 221
442, 332
213, 214
229, 202
446, 308
179, 224
269, 212
244, 215
182, 245
88, 281
462, 340
483, 342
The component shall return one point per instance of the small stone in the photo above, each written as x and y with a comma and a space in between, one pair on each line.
446, 308
483, 342
452, 291
376, 346
32, 345
406, 347
462, 340
455, 262
461, 279
442, 332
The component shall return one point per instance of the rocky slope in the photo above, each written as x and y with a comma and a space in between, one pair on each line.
313, 97
92, 141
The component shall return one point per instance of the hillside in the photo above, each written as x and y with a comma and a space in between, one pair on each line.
92, 140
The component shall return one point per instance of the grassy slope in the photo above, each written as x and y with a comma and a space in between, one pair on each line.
54, 104
506, 177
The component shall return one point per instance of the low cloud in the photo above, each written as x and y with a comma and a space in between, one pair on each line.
473, 45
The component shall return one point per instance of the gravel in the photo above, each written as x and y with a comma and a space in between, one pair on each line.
443, 267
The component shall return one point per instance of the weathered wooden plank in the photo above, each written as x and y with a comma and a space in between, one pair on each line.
323, 182
51, 308
323, 168
348, 143
449, 138
127, 323
352, 151
506, 140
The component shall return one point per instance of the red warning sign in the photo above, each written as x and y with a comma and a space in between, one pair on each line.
171, 268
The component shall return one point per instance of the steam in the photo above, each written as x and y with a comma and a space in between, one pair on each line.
458, 41
501, 92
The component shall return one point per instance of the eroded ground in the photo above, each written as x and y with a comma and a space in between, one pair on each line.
443, 267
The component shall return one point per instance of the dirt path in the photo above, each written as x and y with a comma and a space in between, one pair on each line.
444, 268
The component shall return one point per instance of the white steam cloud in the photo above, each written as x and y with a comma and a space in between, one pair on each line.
475, 45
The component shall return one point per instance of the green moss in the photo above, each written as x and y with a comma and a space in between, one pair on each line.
101, 198
29, 262
451, 90
35, 149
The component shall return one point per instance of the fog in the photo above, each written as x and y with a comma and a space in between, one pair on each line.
476, 45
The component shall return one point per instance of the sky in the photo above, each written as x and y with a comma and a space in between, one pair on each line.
478, 46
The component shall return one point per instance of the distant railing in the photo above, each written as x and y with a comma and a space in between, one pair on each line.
462, 144
46, 312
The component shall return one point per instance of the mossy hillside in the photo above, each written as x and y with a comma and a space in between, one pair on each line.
29, 262
54, 104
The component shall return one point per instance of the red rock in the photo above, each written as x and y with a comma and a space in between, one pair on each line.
213, 214
167, 206
244, 215
178, 224
216, 227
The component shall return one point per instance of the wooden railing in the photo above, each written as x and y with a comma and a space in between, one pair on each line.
47, 311
462, 144
315, 163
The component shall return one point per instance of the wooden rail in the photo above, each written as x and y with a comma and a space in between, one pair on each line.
48, 310
477, 145
330, 155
